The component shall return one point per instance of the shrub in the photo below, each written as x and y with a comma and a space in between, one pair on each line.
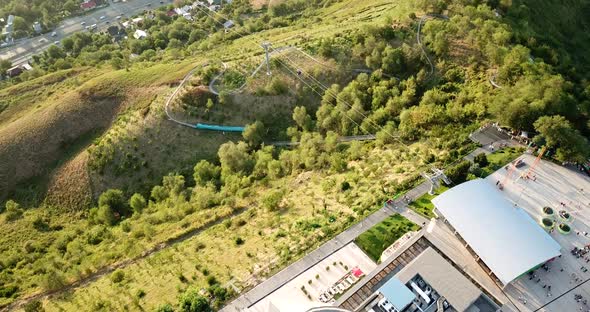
34, 306
140, 293
117, 276
272, 200
7, 291
239, 241
13, 211
165, 308
481, 159
137, 203
344, 186
191, 301
211, 280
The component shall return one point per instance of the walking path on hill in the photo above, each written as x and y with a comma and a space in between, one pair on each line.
276, 281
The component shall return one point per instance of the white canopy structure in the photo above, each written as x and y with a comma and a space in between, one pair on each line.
506, 239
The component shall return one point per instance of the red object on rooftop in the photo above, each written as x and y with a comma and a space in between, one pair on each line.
88, 5
171, 13
357, 272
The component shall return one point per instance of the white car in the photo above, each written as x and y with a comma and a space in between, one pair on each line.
56, 42
103, 17
53, 34
83, 23
118, 17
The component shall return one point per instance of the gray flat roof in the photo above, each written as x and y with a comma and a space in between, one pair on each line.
443, 277
505, 237
397, 293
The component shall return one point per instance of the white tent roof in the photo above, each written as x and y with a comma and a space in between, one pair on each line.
505, 237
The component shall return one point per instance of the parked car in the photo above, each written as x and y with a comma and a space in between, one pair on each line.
53, 34
103, 17
83, 23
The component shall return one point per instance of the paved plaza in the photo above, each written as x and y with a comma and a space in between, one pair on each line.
560, 188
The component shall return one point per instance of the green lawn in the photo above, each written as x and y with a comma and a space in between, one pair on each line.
376, 239
499, 159
423, 205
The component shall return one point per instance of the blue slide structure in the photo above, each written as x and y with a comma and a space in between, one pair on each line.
201, 126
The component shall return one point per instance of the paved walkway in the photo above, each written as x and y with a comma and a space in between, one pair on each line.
281, 278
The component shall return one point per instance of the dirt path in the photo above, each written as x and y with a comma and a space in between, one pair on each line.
122, 264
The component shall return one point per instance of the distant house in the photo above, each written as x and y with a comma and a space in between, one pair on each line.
137, 20
7, 31
14, 71
139, 34
218, 2
228, 24
88, 5
185, 12
37, 27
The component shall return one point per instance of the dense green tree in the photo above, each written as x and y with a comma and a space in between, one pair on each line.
159, 193
557, 132
115, 200
458, 173
235, 159
254, 133
4, 66
191, 301
206, 172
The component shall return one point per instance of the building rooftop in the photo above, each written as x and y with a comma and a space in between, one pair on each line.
397, 293
505, 237
442, 277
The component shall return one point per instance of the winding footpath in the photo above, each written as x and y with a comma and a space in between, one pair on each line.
423, 19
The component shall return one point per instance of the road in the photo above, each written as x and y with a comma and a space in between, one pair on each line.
25, 49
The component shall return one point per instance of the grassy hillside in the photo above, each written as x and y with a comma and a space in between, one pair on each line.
235, 209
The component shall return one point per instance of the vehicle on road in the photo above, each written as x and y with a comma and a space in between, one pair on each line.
87, 27
94, 26
56, 42
103, 17
83, 23
42, 40
53, 34
118, 17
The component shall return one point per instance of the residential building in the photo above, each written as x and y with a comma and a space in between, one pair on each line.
88, 5
139, 34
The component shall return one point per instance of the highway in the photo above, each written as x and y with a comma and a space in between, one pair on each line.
23, 50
